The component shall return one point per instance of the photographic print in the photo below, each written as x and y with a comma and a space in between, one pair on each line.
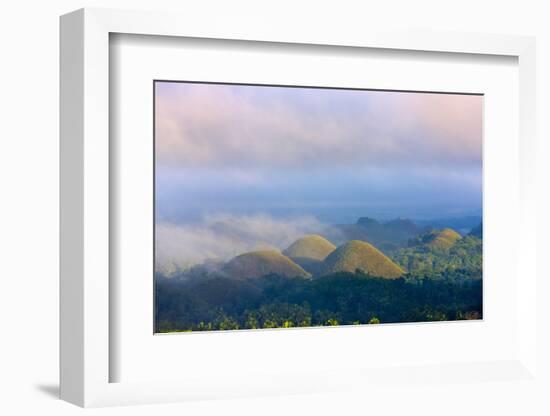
289, 206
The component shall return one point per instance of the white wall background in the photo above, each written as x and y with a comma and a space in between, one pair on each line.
29, 206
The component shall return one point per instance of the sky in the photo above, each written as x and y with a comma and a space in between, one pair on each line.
329, 155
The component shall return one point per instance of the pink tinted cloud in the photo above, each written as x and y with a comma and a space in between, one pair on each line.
454, 122
217, 126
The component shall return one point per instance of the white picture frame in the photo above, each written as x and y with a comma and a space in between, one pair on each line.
85, 202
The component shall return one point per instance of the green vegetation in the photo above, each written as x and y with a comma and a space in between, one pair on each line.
359, 255
263, 262
443, 240
337, 299
437, 240
463, 257
436, 277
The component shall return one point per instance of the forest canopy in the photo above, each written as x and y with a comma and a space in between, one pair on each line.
273, 301
435, 276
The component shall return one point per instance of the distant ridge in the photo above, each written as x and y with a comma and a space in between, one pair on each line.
460, 224
361, 255
386, 236
260, 263
477, 231
400, 225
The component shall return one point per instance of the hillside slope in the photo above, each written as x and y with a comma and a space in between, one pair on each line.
443, 239
260, 263
360, 255
309, 252
311, 246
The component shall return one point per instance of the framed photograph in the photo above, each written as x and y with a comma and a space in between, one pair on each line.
263, 211
261, 200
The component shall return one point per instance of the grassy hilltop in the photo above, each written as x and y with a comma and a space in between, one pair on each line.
310, 252
260, 263
359, 255
311, 246
443, 240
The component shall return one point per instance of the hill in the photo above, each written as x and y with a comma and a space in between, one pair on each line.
436, 239
309, 252
361, 255
311, 246
260, 263
437, 253
443, 239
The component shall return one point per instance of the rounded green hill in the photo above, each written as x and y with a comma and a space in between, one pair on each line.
444, 239
360, 255
260, 263
311, 246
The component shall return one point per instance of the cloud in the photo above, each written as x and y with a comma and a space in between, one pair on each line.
221, 237
230, 127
